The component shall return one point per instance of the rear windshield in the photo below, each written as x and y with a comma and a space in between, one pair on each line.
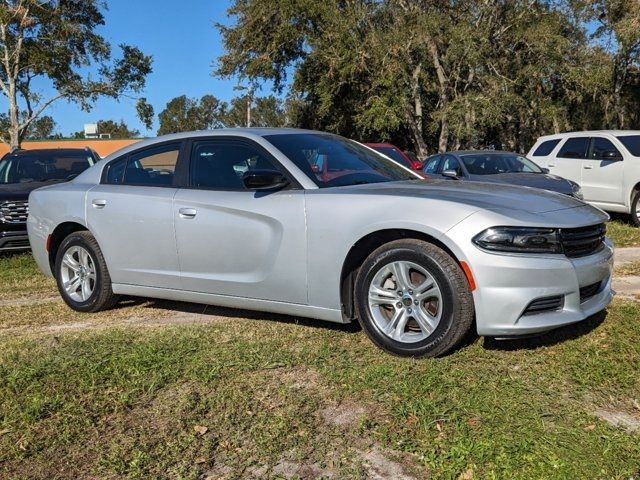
631, 143
393, 154
26, 167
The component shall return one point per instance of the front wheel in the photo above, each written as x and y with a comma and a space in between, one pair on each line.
81, 273
635, 209
413, 299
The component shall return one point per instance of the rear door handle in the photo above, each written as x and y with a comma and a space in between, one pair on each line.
99, 203
551, 165
187, 212
587, 167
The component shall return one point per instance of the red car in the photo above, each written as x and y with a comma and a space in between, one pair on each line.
394, 153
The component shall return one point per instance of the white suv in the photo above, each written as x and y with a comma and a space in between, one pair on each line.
605, 163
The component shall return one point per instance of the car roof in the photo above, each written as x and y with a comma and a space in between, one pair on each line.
49, 151
478, 152
621, 133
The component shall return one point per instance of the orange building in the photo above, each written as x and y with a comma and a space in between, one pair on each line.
101, 147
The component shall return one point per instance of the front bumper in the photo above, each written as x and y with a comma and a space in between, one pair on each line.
507, 284
14, 240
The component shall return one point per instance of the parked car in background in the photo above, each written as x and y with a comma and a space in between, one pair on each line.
397, 155
21, 172
242, 218
605, 163
496, 167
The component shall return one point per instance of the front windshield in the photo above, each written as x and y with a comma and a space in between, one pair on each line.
41, 167
496, 163
393, 154
333, 161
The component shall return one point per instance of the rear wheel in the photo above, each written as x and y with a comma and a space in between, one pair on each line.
413, 299
635, 209
81, 273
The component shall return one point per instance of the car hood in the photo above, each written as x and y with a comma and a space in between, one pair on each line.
482, 195
21, 191
534, 180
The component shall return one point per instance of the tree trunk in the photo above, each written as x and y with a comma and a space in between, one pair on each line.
15, 137
444, 135
443, 92
415, 117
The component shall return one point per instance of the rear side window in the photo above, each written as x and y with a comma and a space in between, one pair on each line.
154, 167
545, 148
631, 143
220, 164
574, 148
432, 164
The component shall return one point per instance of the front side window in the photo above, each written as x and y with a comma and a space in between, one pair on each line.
451, 163
545, 148
152, 167
602, 149
631, 143
43, 167
492, 164
221, 164
332, 161
574, 148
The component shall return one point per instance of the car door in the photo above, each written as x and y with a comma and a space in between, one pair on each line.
568, 161
131, 215
234, 241
602, 172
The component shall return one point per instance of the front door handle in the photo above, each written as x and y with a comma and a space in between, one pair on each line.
551, 165
187, 212
587, 167
99, 203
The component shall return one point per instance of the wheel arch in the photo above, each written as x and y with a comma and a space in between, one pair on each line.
362, 248
58, 234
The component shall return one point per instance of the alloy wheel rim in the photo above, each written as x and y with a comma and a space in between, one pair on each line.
405, 302
78, 274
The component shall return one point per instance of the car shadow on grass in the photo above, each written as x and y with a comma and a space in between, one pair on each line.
553, 337
228, 312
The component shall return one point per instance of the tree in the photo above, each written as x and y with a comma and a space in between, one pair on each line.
42, 128
183, 114
56, 40
116, 130
145, 113
265, 112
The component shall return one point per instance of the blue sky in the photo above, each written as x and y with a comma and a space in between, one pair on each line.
184, 43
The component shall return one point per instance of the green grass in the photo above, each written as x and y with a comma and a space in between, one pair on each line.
623, 234
123, 400
628, 269
19, 277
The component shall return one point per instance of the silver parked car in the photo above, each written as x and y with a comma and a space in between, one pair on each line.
312, 224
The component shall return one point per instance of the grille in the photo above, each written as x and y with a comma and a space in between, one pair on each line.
583, 241
589, 291
14, 212
544, 304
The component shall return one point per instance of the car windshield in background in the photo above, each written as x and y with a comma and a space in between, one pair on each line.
332, 161
494, 163
393, 154
631, 143
40, 167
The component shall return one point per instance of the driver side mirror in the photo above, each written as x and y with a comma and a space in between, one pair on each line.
544, 170
450, 174
264, 180
611, 155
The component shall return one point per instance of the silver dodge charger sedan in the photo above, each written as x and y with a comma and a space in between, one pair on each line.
311, 224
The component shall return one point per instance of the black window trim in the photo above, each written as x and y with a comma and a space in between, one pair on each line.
190, 143
178, 174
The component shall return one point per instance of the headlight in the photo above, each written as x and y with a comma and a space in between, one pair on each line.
576, 191
519, 239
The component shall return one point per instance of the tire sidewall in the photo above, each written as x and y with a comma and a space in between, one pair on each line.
451, 303
634, 210
72, 241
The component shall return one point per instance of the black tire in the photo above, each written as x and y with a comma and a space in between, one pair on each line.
635, 206
102, 297
457, 301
